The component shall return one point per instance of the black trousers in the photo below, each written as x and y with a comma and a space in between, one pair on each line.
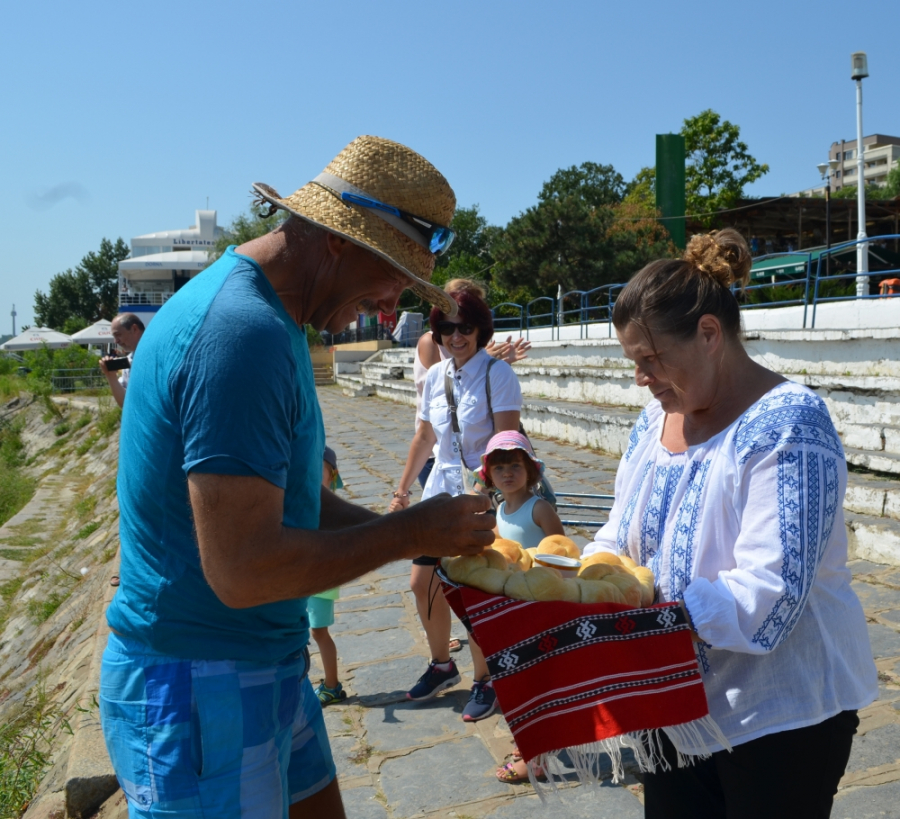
788, 775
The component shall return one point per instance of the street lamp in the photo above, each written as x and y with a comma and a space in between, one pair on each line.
859, 71
827, 169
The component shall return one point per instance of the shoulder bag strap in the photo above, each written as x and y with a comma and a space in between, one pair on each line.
451, 405
487, 392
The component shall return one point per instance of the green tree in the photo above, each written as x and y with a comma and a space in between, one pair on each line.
642, 189
247, 226
890, 189
86, 294
563, 240
719, 164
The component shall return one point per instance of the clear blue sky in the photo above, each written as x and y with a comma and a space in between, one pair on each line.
119, 119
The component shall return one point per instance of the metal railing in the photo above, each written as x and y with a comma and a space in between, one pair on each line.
377, 332
72, 380
842, 248
586, 308
153, 299
598, 508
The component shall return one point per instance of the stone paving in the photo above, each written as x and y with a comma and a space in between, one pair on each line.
398, 760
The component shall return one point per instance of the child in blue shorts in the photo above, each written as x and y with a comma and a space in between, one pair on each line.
320, 607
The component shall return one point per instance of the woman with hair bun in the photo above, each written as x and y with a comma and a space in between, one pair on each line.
731, 490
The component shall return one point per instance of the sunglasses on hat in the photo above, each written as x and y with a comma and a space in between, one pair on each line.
448, 328
437, 237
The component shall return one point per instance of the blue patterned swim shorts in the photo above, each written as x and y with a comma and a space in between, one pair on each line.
211, 738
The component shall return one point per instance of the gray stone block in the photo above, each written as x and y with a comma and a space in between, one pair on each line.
353, 591
398, 583
407, 724
875, 597
350, 756
371, 619
383, 683
365, 648
878, 747
399, 568
362, 803
885, 641
362, 603
444, 776
585, 802
337, 721
868, 803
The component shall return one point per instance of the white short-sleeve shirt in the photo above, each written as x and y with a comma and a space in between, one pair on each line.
747, 529
475, 423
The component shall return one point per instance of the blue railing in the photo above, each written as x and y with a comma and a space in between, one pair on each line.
591, 307
823, 263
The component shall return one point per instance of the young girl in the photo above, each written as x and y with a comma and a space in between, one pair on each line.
511, 467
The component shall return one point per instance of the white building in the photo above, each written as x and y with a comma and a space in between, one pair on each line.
160, 263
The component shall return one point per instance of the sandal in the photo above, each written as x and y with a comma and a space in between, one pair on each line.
455, 645
114, 580
515, 772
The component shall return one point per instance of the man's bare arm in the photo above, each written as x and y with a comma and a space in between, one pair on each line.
339, 514
250, 558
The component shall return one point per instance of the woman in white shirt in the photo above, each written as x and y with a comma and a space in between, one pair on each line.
464, 377
731, 491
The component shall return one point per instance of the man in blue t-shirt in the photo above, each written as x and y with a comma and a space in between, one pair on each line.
225, 529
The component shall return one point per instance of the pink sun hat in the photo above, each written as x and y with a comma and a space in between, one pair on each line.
510, 439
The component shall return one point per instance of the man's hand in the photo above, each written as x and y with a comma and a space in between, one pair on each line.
102, 364
444, 526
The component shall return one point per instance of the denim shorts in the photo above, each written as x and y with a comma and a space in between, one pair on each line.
211, 738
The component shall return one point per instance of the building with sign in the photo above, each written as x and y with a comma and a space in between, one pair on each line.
161, 263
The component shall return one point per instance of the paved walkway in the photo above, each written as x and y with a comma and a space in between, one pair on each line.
400, 760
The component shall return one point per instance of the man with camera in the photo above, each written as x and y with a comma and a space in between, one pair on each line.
205, 700
127, 330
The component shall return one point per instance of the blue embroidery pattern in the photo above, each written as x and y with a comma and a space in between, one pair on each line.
628, 512
665, 481
798, 519
640, 427
832, 484
791, 418
681, 558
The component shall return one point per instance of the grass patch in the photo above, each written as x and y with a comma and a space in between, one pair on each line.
21, 540
8, 591
19, 555
83, 420
86, 444
84, 531
108, 554
42, 610
108, 416
85, 507
32, 526
16, 490
25, 745
62, 429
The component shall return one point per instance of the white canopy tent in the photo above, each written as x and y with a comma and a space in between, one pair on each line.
98, 333
37, 337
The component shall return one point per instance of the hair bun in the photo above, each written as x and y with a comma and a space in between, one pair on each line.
723, 254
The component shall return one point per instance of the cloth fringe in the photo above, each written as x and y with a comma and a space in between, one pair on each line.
587, 760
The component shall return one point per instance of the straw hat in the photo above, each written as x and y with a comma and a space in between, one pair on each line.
390, 173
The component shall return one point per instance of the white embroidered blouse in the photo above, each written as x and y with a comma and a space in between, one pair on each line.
748, 529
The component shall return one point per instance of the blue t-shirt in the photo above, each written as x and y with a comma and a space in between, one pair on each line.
222, 383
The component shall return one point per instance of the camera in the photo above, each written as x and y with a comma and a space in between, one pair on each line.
118, 363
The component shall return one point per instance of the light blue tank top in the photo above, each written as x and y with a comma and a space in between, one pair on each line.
520, 526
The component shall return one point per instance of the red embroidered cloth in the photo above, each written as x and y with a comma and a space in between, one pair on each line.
569, 674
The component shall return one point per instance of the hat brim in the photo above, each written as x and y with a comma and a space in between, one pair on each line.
366, 229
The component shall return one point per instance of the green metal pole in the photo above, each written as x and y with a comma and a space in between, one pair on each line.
670, 193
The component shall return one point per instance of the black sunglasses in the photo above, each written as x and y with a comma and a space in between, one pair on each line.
437, 238
448, 328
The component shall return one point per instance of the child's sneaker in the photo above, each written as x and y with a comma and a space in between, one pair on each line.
327, 695
482, 702
433, 681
